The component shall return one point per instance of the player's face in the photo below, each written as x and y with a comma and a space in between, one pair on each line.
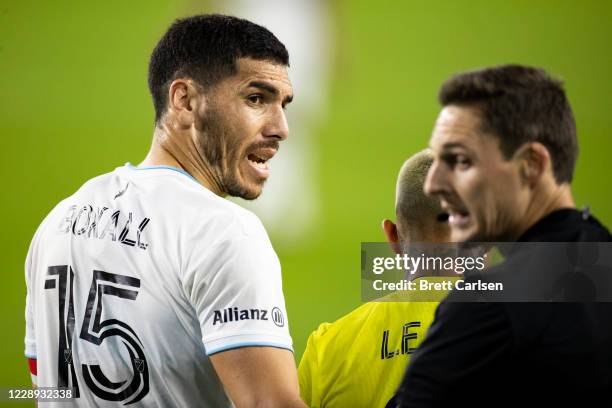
477, 186
242, 124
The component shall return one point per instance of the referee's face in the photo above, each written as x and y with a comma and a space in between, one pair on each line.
242, 123
482, 192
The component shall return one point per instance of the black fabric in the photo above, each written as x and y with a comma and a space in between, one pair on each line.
490, 354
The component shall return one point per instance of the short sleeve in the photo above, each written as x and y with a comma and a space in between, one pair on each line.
30, 333
31, 264
308, 371
236, 290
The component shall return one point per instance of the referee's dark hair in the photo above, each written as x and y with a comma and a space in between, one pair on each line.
205, 48
520, 104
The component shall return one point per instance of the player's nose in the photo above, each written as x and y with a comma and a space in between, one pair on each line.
277, 126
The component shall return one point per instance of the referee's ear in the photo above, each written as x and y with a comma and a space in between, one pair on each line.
535, 161
390, 230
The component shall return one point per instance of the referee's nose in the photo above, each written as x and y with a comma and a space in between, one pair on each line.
436, 182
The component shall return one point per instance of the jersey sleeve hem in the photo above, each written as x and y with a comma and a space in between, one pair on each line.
30, 348
247, 344
239, 341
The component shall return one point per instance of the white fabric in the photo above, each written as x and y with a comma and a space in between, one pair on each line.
199, 277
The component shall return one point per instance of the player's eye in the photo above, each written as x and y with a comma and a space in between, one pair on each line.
255, 99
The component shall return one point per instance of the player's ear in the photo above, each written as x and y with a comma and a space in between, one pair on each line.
534, 161
183, 101
390, 230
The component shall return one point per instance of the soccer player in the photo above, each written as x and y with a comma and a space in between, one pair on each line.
505, 147
146, 287
353, 362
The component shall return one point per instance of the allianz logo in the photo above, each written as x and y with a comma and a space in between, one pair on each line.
234, 314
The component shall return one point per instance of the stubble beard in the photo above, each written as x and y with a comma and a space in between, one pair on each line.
222, 152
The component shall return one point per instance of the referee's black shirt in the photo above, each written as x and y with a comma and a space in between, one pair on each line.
518, 354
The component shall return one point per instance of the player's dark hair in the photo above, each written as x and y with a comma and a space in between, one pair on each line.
205, 48
520, 104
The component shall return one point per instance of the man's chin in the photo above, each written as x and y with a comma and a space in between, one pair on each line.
246, 192
250, 195
464, 235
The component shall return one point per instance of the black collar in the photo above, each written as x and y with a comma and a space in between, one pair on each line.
566, 225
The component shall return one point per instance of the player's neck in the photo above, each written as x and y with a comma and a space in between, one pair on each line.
178, 150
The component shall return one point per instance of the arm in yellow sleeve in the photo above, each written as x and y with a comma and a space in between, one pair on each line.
308, 373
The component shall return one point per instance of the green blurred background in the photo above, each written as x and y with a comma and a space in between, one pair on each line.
75, 104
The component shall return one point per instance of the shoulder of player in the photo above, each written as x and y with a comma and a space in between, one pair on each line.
372, 314
84, 189
92, 183
211, 208
69, 200
350, 322
331, 340
55, 211
242, 219
230, 221
199, 207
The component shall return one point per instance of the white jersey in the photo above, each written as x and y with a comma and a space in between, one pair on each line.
136, 279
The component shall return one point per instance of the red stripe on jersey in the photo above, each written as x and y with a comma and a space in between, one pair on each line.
32, 365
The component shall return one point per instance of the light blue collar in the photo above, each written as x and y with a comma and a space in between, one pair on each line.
132, 167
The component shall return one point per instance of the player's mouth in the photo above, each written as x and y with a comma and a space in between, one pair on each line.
259, 161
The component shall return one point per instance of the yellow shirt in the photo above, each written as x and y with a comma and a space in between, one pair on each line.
360, 360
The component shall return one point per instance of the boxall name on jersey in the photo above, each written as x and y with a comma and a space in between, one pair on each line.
100, 222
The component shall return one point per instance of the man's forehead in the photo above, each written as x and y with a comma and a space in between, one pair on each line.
249, 70
456, 125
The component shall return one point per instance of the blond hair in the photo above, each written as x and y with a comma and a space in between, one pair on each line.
413, 208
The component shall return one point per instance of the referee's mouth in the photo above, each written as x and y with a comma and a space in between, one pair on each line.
457, 217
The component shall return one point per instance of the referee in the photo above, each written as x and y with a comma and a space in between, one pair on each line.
505, 147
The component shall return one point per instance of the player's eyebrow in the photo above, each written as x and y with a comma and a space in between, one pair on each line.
271, 89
